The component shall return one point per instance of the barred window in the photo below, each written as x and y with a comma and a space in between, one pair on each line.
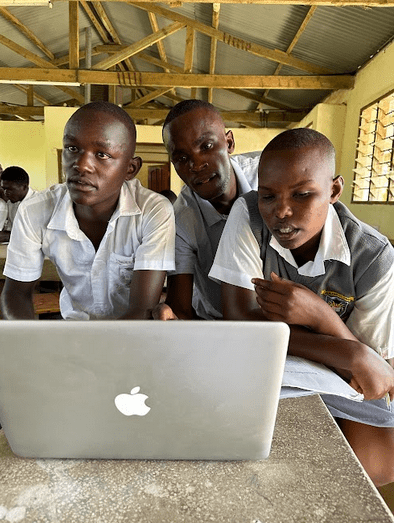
374, 169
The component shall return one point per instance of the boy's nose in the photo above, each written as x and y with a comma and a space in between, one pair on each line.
283, 209
83, 162
196, 164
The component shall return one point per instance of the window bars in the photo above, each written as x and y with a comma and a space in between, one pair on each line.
373, 180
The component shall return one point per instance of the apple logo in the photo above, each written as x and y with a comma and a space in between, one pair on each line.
133, 403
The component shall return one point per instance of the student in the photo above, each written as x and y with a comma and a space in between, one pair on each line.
110, 239
315, 266
3, 207
15, 186
200, 149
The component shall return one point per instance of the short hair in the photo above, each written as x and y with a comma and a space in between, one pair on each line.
15, 174
185, 107
114, 110
301, 137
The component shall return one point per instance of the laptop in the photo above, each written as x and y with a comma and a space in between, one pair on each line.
201, 390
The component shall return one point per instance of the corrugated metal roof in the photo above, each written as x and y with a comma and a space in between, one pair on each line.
338, 38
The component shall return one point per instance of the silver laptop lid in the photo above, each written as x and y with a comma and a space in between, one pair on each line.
141, 389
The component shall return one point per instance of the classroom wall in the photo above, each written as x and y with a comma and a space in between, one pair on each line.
34, 146
338, 118
23, 144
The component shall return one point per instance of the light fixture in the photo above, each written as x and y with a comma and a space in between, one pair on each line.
25, 3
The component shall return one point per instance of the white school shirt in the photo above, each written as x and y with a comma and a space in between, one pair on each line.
13, 207
238, 260
199, 227
3, 213
140, 236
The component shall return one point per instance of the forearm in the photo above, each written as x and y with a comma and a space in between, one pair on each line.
180, 296
4, 236
17, 303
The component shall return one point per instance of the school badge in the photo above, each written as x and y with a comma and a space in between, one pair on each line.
337, 301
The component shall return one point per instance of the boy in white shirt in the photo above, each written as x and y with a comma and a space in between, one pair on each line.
111, 239
292, 252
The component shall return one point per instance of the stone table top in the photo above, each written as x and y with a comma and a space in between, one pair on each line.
311, 476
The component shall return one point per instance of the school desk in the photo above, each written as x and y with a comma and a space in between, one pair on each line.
311, 476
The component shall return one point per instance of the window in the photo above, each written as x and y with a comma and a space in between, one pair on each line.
374, 170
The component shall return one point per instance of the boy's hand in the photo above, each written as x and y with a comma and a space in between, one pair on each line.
163, 312
372, 376
292, 303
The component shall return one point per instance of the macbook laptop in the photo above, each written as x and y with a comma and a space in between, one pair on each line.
141, 389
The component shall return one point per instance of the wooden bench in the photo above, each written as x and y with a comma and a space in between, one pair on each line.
46, 302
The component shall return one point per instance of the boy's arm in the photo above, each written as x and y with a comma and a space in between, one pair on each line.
180, 294
145, 290
352, 359
17, 300
5, 236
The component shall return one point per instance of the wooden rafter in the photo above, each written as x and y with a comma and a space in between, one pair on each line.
214, 45
26, 31
41, 62
159, 114
138, 46
238, 43
73, 22
138, 79
333, 3
293, 43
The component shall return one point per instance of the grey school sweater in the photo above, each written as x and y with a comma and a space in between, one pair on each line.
341, 285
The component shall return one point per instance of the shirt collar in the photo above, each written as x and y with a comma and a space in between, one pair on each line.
333, 246
211, 215
64, 219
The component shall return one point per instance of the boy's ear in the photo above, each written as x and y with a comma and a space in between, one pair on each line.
337, 188
230, 142
134, 166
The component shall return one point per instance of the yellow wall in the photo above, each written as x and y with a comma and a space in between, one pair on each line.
338, 119
23, 144
372, 82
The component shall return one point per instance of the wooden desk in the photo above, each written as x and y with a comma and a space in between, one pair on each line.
49, 272
311, 476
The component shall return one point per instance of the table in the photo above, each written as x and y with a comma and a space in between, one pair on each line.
311, 476
49, 272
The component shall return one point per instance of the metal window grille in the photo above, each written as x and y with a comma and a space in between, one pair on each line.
373, 180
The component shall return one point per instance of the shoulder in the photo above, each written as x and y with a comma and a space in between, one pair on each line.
46, 198
146, 199
186, 207
359, 234
247, 160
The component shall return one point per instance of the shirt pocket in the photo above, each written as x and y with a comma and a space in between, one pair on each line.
122, 268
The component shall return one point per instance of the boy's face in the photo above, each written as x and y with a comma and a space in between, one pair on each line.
295, 189
97, 158
199, 148
13, 191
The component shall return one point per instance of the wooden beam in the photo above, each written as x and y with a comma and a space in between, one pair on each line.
259, 99
38, 97
139, 46
214, 45
338, 3
73, 23
23, 112
26, 31
238, 43
297, 36
41, 62
149, 97
189, 50
140, 79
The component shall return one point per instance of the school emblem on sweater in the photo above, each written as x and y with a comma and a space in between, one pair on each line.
337, 301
